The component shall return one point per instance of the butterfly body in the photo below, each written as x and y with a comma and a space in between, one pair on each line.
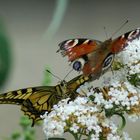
94, 57
37, 100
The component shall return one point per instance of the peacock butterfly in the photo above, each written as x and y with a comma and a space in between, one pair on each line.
94, 57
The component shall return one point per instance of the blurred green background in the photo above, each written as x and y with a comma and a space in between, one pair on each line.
30, 32
5, 55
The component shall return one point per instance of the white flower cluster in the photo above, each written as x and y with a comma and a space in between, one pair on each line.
90, 114
130, 57
80, 116
121, 96
72, 115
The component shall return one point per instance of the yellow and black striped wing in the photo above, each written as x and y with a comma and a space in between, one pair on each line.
75, 83
78, 81
16, 97
33, 101
39, 102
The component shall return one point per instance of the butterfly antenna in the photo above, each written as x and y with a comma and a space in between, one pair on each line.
120, 28
105, 32
53, 74
68, 74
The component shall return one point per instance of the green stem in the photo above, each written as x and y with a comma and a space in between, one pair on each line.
89, 137
81, 134
123, 120
75, 136
80, 137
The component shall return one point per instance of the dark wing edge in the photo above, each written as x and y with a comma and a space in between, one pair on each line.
122, 41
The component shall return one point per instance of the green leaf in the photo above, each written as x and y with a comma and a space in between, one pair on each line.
25, 121
15, 136
134, 79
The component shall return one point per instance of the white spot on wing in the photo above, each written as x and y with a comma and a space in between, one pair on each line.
86, 41
68, 42
130, 35
75, 43
138, 31
122, 36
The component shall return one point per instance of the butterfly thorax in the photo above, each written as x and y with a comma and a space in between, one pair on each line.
63, 86
105, 44
62, 89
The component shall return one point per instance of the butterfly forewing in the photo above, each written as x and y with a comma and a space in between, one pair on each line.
16, 96
121, 42
75, 48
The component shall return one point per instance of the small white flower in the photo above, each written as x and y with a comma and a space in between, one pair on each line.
108, 104
113, 137
94, 137
99, 98
74, 128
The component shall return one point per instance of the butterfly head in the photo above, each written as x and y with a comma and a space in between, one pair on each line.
63, 83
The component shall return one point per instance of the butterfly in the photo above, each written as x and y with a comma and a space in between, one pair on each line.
94, 57
36, 101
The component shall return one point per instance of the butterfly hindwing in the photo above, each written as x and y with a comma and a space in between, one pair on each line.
38, 103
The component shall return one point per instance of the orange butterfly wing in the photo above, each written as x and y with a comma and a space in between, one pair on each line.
75, 48
95, 65
121, 42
